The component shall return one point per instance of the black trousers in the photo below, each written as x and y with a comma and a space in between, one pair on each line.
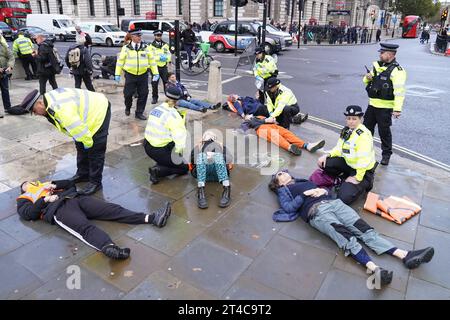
383, 118
133, 83
163, 158
348, 192
43, 78
86, 78
27, 61
106, 72
74, 216
4, 87
90, 162
285, 118
164, 75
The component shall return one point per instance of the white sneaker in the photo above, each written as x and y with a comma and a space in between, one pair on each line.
314, 146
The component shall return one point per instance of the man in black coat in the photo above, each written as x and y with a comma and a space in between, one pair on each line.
45, 63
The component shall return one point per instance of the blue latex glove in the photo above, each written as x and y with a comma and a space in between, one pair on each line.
162, 58
155, 78
259, 78
86, 148
117, 78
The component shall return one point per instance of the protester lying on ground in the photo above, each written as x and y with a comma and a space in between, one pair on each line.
302, 198
280, 136
353, 158
210, 162
186, 100
58, 202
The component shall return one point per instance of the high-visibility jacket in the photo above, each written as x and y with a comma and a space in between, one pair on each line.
134, 61
22, 45
35, 191
266, 68
159, 52
357, 151
398, 78
165, 124
77, 113
283, 97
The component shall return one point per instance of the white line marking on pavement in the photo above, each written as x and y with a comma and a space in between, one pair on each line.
231, 79
409, 152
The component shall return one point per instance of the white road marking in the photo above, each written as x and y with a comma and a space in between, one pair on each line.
231, 79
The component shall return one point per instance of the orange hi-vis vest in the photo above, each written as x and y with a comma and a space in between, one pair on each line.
392, 208
35, 191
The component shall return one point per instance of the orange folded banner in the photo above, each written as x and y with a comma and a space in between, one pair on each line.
392, 208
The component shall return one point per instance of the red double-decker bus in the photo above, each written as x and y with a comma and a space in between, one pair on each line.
14, 12
411, 27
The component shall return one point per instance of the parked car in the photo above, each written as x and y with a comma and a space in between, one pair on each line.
30, 32
61, 25
103, 33
272, 30
222, 38
6, 30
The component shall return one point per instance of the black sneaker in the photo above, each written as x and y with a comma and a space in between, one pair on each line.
385, 160
161, 215
294, 149
154, 100
115, 252
217, 106
384, 275
416, 257
154, 174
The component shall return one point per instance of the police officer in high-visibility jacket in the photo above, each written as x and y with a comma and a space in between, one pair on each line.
84, 116
265, 67
385, 85
281, 104
165, 138
161, 53
135, 60
353, 157
22, 49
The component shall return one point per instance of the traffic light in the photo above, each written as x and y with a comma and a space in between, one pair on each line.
172, 40
240, 3
444, 14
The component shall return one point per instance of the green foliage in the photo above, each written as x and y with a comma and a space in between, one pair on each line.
422, 8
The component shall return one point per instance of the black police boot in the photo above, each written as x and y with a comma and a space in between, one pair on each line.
416, 257
154, 100
299, 119
77, 178
140, 116
154, 174
204, 110
226, 197
201, 198
90, 189
127, 111
385, 160
115, 252
161, 215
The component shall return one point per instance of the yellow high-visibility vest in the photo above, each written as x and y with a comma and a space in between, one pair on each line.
134, 61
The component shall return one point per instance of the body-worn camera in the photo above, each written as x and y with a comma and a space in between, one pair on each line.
346, 133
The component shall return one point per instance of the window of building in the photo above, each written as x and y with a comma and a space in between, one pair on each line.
136, 7
304, 9
180, 7
75, 7
107, 8
91, 8
321, 12
287, 4
47, 6
313, 10
218, 8
59, 6
39, 6
158, 7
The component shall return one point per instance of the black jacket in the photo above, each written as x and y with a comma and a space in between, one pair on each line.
209, 146
44, 58
188, 36
28, 210
85, 60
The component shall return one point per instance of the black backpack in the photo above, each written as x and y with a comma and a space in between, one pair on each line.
381, 85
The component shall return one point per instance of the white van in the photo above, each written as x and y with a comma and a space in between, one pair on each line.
103, 33
61, 25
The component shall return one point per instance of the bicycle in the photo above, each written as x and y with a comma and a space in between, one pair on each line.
200, 62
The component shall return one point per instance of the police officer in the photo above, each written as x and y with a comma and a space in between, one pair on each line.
265, 67
165, 138
84, 116
161, 53
281, 104
23, 48
135, 60
353, 157
385, 85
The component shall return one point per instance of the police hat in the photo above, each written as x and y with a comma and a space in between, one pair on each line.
353, 111
272, 82
157, 33
259, 50
29, 101
388, 47
135, 31
173, 93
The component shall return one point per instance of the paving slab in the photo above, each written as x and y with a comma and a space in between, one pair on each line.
7, 243
440, 191
423, 290
25, 231
248, 289
435, 214
8, 204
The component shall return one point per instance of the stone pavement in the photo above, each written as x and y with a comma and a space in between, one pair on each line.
232, 253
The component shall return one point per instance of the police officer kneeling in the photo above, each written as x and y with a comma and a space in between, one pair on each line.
165, 138
353, 157
84, 116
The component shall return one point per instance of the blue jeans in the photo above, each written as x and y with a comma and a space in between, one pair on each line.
188, 48
194, 104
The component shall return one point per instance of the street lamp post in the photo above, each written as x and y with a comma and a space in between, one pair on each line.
373, 24
300, 5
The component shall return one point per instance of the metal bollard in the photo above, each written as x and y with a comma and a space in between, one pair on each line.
215, 82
